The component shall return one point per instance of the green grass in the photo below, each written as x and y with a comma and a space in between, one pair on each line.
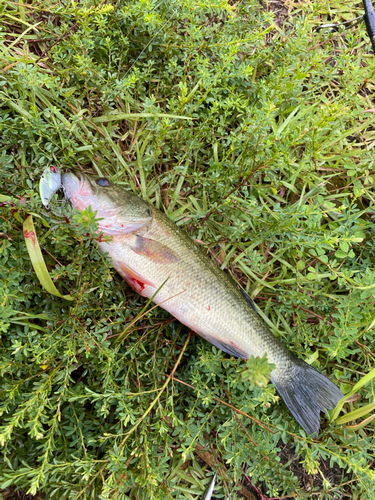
258, 141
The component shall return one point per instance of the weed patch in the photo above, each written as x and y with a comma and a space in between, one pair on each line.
257, 138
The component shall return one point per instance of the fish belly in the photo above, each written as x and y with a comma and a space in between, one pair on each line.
196, 296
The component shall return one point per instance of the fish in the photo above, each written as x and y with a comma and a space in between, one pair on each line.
49, 184
160, 261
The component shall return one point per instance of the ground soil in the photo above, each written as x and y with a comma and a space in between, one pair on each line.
279, 9
12, 494
315, 483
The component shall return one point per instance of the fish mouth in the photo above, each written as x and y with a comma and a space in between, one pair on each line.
75, 185
70, 184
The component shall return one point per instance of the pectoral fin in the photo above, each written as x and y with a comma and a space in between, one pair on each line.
154, 250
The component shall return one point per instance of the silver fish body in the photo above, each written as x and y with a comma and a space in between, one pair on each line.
150, 252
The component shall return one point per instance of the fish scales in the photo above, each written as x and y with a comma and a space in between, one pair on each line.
197, 292
154, 255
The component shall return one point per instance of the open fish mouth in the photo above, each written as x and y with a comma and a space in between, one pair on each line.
83, 192
70, 182
77, 182
77, 188
99, 194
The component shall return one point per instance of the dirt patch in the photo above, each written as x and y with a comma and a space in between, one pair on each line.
314, 483
12, 493
280, 10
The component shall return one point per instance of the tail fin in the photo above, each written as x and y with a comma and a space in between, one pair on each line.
306, 392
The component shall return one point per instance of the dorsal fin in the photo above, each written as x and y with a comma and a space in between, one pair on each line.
248, 299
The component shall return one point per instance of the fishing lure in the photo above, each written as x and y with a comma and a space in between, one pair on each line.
49, 184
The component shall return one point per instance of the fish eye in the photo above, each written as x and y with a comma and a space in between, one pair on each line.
103, 182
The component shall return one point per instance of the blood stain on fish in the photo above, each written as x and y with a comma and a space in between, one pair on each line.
139, 283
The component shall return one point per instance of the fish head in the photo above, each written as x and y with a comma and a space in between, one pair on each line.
119, 211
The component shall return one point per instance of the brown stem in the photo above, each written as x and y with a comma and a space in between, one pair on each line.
57, 41
230, 406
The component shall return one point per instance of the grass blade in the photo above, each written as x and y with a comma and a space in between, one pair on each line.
364, 380
353, 415
37, 260
362, 424
210, 489
136, 116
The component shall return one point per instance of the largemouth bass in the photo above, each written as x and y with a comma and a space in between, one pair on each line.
149, 250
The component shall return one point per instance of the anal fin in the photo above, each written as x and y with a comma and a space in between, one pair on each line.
229, 347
